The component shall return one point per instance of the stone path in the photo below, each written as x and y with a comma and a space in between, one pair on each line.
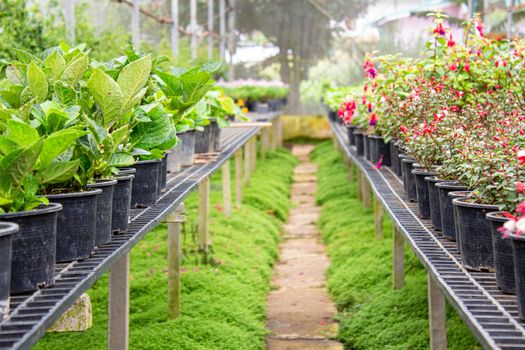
300, 312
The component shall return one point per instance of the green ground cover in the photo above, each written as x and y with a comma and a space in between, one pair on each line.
223, 306
372, 315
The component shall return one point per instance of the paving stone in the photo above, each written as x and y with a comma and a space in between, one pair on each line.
301, 230
305, 209
302, 199
302, 344
301, 178
308, 271
299, 247
304, 189
306, 169
302, 150
303, 218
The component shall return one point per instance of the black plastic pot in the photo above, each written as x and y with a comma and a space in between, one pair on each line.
474, 235
351, 137
518, 251
433, 201
122, 201
76, 224
145, 185
366, 143
203, 140
503, 256
7, 229
215, 141
359, 143
103, 228
163, 174
423, 199
446, 209
187, 142
394, 155
373, 148
400, 157
34, 248
379, 150
332, 115
175, 159
409, 179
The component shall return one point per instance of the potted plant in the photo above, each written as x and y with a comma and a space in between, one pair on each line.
7, 229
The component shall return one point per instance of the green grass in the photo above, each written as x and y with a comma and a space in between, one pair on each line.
223, 306
372, 315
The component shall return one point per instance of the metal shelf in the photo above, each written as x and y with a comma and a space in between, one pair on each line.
491, 315
32, 314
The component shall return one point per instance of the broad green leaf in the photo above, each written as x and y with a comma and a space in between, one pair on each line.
7, 146
227, 104
133, 78
159, 133
58, 172
16, 165
108, 96
21, 133
75, 70
57, 143
119, 136
56, 64
14, 75
121, 159
37, 82
24, 56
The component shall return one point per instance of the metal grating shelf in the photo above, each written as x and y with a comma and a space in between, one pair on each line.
32, 314
491, 315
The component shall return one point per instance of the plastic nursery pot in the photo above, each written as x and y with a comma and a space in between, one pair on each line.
202, 140
366, 143
474, 235
400, 157
446, 209
433, 201
163, 173
175, 159
122, 200
373, 148
503, 256
145, 184
76, 224
187, 142
423, 199
261, 107
104, 210
7, 229
359, 143
518, 251
409, 179
381, 150
33, 248
350, 129
215, 141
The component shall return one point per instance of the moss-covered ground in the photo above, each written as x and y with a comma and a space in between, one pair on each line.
372, 315
224, 305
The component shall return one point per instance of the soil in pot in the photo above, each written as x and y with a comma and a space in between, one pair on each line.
7, 229
350, 131
422, 194
503, 256
76, 224
203, 140
146, 183
104, 210
474, 235
359, 143
33, 248
121, 203
518, 252
433, 201
187, 142
446, 209
409, 179
175, 159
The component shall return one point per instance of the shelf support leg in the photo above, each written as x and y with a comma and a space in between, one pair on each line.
174, 260
238, 178
399, 259
265, 142
378, 218
279, 123
350, 171
437, 316
253, 158
247, 162
204, 209
118, 328
367, 192
226, 189
359, 185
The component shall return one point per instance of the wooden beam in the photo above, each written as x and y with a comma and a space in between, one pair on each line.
226, 189
238, 178
175, 219
204, 214
247, 162
398, 266
437, 316
378, 218
118, 328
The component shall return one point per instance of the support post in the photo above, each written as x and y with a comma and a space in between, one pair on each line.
238, 178
350, 171
118, 328
247, 162
437, 316
135, 24
69, 16
226, 189
175, 28
367, 200
222, 29
253, 158
174, 260
279, 131
231, 38
204, 210
210, 28
275, 133
359, 185
193, 26
399, 259
378, 218
265, 142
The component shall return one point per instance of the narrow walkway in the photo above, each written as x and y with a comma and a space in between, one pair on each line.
300, 312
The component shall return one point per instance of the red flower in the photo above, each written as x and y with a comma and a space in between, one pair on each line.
453, 67
520, 187
373, 119
479, 27
379, 163
403, 129
467, 67
439, 30
451, 42
521, 156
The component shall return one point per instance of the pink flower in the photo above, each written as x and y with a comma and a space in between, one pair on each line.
379, 163
520, 187
439, 30
467, 67
451, 42
373, 119
453, 67
479, 27
521, 156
